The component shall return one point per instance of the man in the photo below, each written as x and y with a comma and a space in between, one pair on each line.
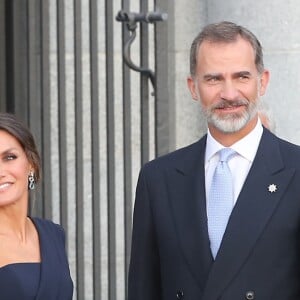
183, 247
266, 117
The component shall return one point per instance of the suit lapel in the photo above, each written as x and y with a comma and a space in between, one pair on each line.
254, 208
187, 202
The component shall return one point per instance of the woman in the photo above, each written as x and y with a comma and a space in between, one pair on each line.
33, 261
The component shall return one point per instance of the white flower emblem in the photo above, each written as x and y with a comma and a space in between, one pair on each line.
272, 188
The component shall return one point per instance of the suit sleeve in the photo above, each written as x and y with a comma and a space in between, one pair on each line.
144, 272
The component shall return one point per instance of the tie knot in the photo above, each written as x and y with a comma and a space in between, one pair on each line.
226, 154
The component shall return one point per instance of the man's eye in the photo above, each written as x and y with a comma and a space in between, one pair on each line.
244, 77
213, 79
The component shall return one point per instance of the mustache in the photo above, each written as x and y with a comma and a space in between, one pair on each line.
223, 103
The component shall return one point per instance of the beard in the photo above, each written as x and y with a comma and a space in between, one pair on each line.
233, 122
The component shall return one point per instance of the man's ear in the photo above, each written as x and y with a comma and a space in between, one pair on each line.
264, 80
192, 87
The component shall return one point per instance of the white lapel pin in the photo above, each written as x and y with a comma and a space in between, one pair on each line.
272, 188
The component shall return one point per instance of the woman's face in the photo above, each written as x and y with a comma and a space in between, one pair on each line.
14, 171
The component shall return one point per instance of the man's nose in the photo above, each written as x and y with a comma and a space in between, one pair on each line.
229, 91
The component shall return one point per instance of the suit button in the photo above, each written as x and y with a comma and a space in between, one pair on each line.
179, 295
250, 295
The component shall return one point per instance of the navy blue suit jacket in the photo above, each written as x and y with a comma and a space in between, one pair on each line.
259, 257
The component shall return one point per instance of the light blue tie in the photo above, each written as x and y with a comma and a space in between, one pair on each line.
220, 201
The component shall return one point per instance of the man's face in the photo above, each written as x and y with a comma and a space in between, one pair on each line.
228, 84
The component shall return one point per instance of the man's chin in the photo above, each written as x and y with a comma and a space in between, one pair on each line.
229, 126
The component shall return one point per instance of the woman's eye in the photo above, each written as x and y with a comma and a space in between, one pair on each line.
10, 157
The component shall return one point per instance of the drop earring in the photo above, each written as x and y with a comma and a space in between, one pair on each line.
31, 181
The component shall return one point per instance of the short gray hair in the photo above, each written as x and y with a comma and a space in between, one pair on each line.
225, 32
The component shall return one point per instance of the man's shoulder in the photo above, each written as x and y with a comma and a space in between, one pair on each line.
289, 152
289, 149
179, 155
286, 145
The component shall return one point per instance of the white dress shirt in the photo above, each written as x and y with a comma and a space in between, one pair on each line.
239, 165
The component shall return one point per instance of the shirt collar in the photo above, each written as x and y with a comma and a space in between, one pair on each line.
241, 146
